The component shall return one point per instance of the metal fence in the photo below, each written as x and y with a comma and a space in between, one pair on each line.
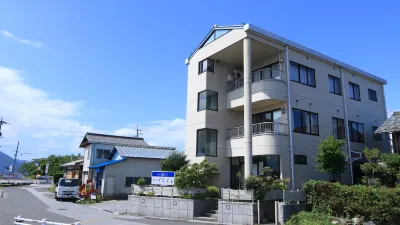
258, 128
24, 221
259, 75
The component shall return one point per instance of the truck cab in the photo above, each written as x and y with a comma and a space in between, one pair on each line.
67, 188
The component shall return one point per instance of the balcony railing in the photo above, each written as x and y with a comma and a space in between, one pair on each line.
258, 128
258, 75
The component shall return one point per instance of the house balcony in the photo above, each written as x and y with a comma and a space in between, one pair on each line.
268, 87
269, 138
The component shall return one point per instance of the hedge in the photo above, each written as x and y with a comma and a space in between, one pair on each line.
309, 218
378, 204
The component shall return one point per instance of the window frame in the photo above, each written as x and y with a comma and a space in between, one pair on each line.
103, 155
337, 125
352, 88
298, 161
298, 74
333, 79
376, 137
202, 70
197, 142
198, 101
302, 126
375, 94
351, 132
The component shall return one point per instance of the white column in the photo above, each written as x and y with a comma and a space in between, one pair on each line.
346, 118
290, 117
248, 154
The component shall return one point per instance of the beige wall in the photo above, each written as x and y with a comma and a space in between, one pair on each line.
267, 96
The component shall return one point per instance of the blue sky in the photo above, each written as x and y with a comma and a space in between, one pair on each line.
107, 66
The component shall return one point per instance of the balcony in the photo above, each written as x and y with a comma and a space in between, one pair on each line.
258, 128
268, 87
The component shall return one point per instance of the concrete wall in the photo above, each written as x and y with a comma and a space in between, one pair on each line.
131, 167
181, 209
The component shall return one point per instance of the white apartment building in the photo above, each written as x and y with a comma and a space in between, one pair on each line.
256, 99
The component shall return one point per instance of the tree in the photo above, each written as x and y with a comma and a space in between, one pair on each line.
55, 162
174, 162
372, 168
262, 184
195, 175
330, 157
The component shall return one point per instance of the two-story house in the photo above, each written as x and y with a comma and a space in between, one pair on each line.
256, 99
114, 163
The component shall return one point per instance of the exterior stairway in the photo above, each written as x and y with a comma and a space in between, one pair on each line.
211, 216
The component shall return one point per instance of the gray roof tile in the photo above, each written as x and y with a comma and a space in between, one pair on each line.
390, 125
150, 152
90, 138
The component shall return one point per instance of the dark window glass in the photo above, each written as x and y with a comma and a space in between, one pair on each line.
376, 137
207, 100
294, 71
338, 128
68, 182
300, 159
302, 74
356, 132
334, 85
305, 122
207, 142
99, 153
372, 95
354, 91
206, 65
128, 181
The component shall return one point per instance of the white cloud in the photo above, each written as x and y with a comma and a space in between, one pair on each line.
10, 35
160, 133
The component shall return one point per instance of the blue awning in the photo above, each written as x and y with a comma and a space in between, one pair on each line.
106, 163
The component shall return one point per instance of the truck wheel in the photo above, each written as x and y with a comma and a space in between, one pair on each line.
55, 197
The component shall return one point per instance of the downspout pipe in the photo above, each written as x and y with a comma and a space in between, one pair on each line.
290, 118
347, 125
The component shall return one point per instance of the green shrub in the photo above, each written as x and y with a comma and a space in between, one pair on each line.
141, 181
195, 175
212, 192
379, 204
52, 188
141, 193
261, 184
309, 218
175, 161
150, 194
186, 196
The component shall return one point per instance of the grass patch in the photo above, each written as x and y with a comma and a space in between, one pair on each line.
1, 187
52, 188
310, 218
86, 201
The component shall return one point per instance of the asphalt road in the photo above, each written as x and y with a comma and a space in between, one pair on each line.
36, 204
19, 201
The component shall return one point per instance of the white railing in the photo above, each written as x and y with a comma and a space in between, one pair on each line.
258, 75
258, 128
164, 191
248, 195
22, 221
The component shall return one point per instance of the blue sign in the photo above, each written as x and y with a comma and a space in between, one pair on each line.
162, 178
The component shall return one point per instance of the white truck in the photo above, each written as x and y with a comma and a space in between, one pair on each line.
67, 188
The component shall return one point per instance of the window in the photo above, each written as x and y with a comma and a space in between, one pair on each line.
334, 85
372, 95
102, 154
354, 91
300, 159
302, 74
207, 100
356, 131
217, 34
206, 65
376, 137
133, 180
206, 142
305, 122
338, 128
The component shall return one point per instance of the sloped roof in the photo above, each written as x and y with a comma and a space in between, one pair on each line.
90, 138
149, 152
390, 125
106, 163
73, 163
251, 28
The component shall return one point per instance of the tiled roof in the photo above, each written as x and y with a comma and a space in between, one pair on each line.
90, 138
390, 125
73, 163
150, 152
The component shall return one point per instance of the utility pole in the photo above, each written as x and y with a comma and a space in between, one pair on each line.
137, 131
2, 122
15, 158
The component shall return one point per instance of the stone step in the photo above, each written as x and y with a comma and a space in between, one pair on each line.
209, 219
212, 215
